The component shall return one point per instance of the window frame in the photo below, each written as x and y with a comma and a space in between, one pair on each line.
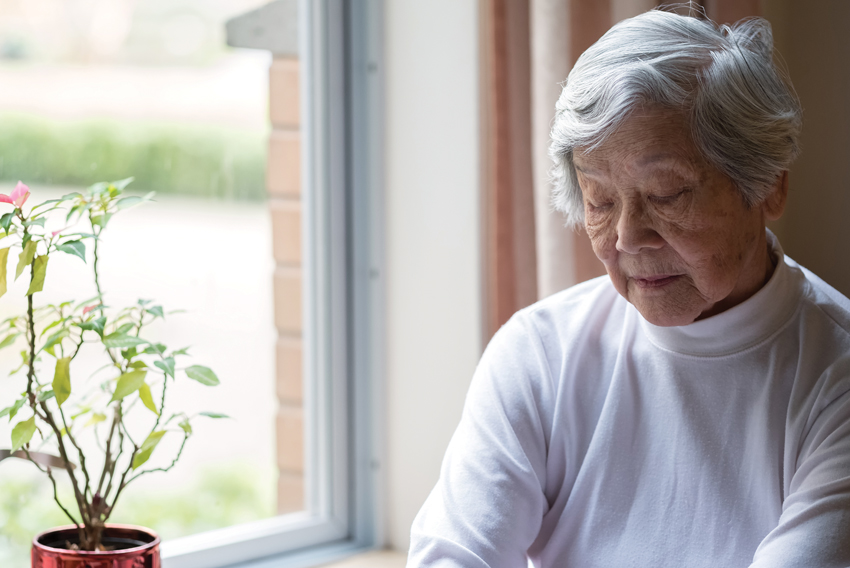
342, 304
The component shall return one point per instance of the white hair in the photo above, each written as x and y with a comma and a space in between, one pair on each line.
743, 113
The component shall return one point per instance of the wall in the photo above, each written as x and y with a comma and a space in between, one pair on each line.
283, 183
432, 241
814, 39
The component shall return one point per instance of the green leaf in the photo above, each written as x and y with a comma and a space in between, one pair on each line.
129, 353
39, 270
6, 221
96, 189
128, 383
12, 410
37, 222
214, 415
138, 365
22, 433
46, 202
155, 349
122, 183
25, 258
122, 340
166, 365
126, 202
62, 380
101, 220
51, 326
147, 448
76, 248
203, 375
4, 257
8, 340
94, 325
125, 328
156, 311
46, 395
55, 338
183, 351
96, 418
80, 208
83, 410
185, 426
147, 398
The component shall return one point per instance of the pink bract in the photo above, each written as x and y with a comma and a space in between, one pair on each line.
19, 195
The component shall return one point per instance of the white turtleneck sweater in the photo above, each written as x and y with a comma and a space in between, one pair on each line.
592, 438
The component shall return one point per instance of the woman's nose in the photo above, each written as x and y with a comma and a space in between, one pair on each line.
635, 230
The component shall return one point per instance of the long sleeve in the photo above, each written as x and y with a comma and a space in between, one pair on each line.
814, 528
488, 505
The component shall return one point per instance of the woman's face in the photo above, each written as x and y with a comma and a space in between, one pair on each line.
675, 235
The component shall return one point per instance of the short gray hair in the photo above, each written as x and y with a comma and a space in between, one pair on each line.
743, 113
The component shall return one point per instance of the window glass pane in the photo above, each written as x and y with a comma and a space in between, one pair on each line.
103, 90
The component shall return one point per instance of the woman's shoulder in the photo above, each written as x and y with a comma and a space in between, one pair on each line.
578, 309
564, 321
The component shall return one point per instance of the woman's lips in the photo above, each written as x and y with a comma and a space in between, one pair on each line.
655, 281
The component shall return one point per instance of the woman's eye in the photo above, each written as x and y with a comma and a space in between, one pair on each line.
668, 199
601, 206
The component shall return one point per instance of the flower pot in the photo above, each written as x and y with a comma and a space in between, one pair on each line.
131, 547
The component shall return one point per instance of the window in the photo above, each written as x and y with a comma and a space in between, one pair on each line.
342, 291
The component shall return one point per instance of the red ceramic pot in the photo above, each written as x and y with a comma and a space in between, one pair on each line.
133, 547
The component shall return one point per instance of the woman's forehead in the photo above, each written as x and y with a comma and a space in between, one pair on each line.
646, 142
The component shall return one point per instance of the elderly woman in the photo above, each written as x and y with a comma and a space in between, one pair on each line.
692, 408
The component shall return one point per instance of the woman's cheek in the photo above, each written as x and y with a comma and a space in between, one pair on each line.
599, 227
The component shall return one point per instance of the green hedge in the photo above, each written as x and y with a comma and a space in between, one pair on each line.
167, 158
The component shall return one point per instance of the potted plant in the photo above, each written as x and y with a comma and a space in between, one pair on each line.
77, 423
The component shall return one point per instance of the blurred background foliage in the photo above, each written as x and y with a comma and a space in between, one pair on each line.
197, 159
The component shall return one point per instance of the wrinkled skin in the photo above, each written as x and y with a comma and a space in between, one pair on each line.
673, 232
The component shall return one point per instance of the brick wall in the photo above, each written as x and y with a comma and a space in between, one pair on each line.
283, 183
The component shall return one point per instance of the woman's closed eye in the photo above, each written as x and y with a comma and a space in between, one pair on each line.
669, 199
598, 204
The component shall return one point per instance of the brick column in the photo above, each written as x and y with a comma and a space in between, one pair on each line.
283, 183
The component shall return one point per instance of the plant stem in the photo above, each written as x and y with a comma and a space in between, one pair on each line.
96, 260
107, 464
81, 501
49, 473
106, 493
123, 483
163, 469
79, 453
31, 341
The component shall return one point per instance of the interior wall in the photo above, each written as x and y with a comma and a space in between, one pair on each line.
813, 37
432, 241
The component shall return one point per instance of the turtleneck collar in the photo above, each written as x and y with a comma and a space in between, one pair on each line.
742, 326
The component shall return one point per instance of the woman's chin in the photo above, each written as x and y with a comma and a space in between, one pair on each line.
664, 312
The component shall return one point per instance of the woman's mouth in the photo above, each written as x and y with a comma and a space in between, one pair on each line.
655, 281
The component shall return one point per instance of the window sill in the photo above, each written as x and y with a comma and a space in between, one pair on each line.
373, 559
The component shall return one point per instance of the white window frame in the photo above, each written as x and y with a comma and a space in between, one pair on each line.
343, 288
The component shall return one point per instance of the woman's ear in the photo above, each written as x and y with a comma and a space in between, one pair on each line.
774, 205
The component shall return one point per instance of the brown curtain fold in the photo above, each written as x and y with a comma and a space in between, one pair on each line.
510, 256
